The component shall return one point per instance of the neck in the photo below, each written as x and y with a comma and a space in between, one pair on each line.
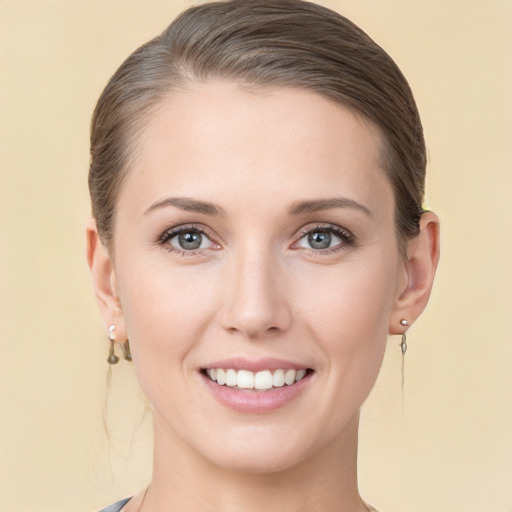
184, 481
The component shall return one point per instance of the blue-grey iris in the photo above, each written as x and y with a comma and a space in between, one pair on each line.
319, 239
190, 240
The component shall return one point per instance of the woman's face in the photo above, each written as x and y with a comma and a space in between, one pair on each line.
254, 236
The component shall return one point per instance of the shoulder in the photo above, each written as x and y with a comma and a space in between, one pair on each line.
117, 506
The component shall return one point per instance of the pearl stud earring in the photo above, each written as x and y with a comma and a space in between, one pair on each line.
112, 358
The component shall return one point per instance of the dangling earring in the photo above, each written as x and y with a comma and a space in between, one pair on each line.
112, 358
403, 345
126, 350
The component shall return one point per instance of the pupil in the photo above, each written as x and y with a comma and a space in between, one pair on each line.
190, 240
320, 239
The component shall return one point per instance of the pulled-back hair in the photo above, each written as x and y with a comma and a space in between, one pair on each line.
261, 43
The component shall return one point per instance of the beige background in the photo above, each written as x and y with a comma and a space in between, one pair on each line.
446, 447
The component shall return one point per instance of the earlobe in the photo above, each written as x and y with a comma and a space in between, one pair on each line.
422, 260
103, 278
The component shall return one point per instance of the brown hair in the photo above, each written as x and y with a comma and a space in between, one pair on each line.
283, 43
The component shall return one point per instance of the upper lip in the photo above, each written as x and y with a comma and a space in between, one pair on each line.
255, 365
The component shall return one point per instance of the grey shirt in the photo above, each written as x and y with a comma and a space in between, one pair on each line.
117, 506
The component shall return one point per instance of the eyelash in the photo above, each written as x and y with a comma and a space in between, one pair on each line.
346, 237
192, 228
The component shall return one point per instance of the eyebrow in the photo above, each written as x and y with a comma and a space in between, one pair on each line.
187, 204
316, 205
297, 208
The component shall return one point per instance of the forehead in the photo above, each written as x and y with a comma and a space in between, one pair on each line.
252, 140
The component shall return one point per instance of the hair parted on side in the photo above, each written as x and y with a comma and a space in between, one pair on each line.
278, 43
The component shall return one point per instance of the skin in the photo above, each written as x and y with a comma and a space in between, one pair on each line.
258, 289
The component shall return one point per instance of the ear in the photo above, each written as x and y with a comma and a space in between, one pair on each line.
421, 265
104, 281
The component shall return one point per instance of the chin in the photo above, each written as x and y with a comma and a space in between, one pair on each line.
259, 450
256, 461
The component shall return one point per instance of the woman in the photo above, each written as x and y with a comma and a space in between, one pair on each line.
257, 177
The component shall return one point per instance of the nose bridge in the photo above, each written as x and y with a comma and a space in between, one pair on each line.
255, 304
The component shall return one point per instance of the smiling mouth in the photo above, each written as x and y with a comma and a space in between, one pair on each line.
259, 381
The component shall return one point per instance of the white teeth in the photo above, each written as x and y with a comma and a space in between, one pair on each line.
300, 375
263, 380
289, 377
231, 379
221, 377
245, 379
278, 378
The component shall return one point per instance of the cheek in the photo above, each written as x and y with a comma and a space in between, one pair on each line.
353, 298
347, 311
166, 312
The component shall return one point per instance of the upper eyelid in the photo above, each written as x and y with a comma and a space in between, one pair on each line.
323, 226
172, 232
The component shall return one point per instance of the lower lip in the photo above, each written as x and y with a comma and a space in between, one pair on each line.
255, 401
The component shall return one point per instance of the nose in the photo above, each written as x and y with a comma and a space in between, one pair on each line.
255, 304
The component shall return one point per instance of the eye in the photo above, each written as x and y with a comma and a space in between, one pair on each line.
320, 239
186, 239
325, 238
